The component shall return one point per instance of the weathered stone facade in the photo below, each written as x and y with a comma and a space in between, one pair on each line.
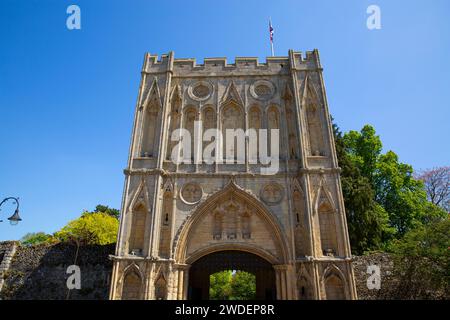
173, 214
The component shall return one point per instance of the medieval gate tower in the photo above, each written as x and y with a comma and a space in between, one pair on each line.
180, 222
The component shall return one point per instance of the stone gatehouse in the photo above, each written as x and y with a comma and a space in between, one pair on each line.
182, 221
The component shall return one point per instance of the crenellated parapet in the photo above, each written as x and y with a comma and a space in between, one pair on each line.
242, 66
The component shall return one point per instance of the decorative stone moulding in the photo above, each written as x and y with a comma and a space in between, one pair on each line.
191, 193
200, 90
272, 193
262, 90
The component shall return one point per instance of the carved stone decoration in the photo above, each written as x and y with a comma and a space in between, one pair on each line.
191, 193
232, 119
218, 225
327, 221
200, 91
272, 193
161, 288
231, 220
262, 90
255, 119
132, 284
209, 118
174, 117
313, 117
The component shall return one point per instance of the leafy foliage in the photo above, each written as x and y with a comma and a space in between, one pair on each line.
229, 285
34, 238
368, 222
383, 199
220, 285
105, 209
243, 286
422, 259
90, 228
93, 227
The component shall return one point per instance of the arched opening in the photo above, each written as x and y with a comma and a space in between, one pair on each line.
334, 288
161, 288
203, 268
231, 230
174, 122
136, 239
232, 120
166, 225
304, 289
255, 124
301, 241
149, 138
190, 116
132, 284
273, 123
292, 133
209, 122
327, 230
327, 225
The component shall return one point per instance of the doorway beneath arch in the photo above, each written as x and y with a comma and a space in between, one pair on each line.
201, 269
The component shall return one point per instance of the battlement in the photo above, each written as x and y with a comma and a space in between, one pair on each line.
282, 64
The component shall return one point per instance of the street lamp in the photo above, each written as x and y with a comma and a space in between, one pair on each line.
15, 218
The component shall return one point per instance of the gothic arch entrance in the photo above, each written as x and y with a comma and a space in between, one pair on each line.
232, 230
232, 218
201, 269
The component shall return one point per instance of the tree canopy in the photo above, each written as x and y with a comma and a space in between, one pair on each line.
422, 261
220, 285
90, 228
368, 222
33, 238
437, 185
383, 200
99, 226
229, 285
109, 211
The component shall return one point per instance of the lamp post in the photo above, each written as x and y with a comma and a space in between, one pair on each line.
15, 218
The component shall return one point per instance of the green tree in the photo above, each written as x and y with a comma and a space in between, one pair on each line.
363, 148
220, 285
34, 238
422, 261
229, 285
401, 196
90, 228
105, 209
243, 286
368, 222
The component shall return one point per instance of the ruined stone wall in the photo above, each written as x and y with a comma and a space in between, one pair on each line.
388, 281
39, 272
7, 251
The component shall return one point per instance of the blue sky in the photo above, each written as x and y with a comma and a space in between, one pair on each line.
67, 97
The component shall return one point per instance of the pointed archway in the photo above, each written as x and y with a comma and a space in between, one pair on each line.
235, 260
234, 223
199, 236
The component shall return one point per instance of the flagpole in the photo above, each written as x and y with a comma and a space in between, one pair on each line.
271, 36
